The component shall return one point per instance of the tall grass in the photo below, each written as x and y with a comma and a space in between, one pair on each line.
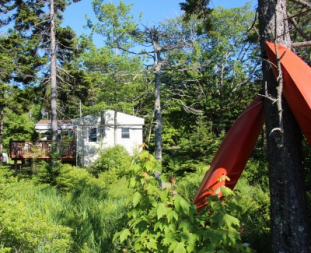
79, 214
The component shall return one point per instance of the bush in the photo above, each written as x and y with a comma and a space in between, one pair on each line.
114, 158
72, 178
26, 227
189, 184
162, 221
255, 215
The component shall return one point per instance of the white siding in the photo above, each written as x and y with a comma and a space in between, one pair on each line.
88, 151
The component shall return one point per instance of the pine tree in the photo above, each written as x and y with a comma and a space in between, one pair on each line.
36, 30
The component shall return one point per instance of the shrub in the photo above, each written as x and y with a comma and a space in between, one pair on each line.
114, 158
189, 184
24, 226
71, 178
255, 215
161, 221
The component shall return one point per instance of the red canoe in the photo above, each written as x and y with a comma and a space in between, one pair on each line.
296, 85
233, 153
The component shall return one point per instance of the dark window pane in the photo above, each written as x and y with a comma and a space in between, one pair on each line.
125, 133
92, 135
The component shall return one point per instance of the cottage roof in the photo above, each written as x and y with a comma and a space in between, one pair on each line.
47, 121
45, 125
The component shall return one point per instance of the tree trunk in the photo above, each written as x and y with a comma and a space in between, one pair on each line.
289, 220
53, 80
158, 114
115, 128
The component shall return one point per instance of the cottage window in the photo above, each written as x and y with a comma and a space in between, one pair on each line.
93, 134
125, 133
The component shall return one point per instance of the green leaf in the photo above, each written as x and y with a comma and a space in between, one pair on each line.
133, 182
185, 225
230, 220
160, 225
226, 191
169, 239
161, 210
180, 248
171, 214
136, 198
152, 244
181, 204
173, 246
233, 235
124, 234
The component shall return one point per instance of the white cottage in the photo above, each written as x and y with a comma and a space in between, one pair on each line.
95, 133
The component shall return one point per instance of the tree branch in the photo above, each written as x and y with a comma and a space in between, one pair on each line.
301, 44
300, 31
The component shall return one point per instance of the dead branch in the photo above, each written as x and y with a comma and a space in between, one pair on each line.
300, 31
301, 44
299, 14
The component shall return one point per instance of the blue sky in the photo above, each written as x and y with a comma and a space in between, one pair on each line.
153, 10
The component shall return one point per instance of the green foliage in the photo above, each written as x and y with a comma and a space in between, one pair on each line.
97, 208
202, 143
256, 172
80, 214
161, 221
112, 158
72, 178
187, 186
23, 225
17, 127
255, 214
196, 149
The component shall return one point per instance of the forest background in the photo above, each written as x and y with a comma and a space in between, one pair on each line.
190, 77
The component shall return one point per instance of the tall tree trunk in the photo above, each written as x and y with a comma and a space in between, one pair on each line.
53, 80
158, 113
115, 128
289, 220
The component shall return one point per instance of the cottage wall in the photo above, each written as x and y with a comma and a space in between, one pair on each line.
129, 133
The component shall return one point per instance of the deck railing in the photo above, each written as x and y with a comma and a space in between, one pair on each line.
20, 150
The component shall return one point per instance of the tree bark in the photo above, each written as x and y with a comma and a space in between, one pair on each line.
157, 100
158, 118
115, 128
289, 218
53, 80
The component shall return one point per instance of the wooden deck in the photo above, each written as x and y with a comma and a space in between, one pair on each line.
41, 150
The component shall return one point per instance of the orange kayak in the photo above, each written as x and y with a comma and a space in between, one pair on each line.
296, 85
233, 153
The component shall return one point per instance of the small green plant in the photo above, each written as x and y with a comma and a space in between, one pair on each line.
161, 220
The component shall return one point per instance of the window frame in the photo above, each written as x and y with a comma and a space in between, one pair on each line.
89, 133
125, 133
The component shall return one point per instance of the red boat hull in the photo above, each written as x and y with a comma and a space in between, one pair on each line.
233, 153
296, 85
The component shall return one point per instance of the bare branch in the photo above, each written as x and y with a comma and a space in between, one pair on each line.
299, 14
301, 44
295, 24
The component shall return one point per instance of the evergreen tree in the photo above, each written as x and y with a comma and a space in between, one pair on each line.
37, 30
